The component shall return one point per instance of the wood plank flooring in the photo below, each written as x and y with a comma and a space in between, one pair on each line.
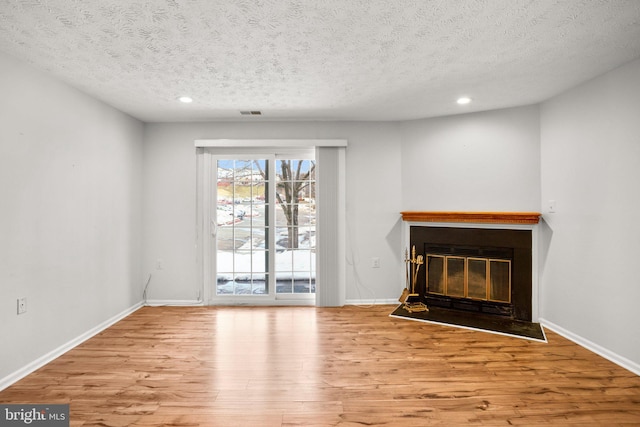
306, 366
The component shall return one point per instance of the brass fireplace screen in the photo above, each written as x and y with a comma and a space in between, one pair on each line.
475, 278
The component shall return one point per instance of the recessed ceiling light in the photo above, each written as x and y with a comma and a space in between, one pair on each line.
185, 99
463, 100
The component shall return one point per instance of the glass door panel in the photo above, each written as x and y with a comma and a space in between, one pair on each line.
455, 276
500, 280
242, 249
295, 226
435, 274
477, 278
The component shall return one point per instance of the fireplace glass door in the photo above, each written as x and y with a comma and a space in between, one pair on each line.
477, 272
476, 278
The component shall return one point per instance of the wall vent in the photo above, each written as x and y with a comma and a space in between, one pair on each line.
251, 113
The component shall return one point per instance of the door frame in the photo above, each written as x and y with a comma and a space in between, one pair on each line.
330, 266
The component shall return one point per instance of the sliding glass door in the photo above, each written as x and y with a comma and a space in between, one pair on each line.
262, 227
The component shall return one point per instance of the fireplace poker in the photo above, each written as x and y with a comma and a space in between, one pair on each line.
419, 261
413, 268
405, 291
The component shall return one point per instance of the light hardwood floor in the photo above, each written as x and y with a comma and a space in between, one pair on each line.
305, 366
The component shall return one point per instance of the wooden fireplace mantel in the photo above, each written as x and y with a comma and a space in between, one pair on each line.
474, 217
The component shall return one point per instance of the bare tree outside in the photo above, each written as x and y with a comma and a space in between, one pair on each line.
294, 178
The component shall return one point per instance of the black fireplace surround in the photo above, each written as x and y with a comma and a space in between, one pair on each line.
504, 243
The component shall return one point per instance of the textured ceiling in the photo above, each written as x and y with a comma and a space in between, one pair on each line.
320, 59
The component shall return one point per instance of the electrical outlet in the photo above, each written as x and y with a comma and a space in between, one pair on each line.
22, 305
375, 262
159, 265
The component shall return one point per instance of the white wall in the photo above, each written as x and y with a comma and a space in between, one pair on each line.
70, 189
591, 168
479, 151
487, 161
373, 201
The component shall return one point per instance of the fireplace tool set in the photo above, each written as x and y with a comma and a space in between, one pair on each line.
411, 299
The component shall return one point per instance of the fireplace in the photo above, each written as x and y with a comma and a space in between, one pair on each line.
475, 265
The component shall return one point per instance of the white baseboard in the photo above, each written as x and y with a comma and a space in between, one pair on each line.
591, 346
372, 301
54, 354
172, 302
193, 303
